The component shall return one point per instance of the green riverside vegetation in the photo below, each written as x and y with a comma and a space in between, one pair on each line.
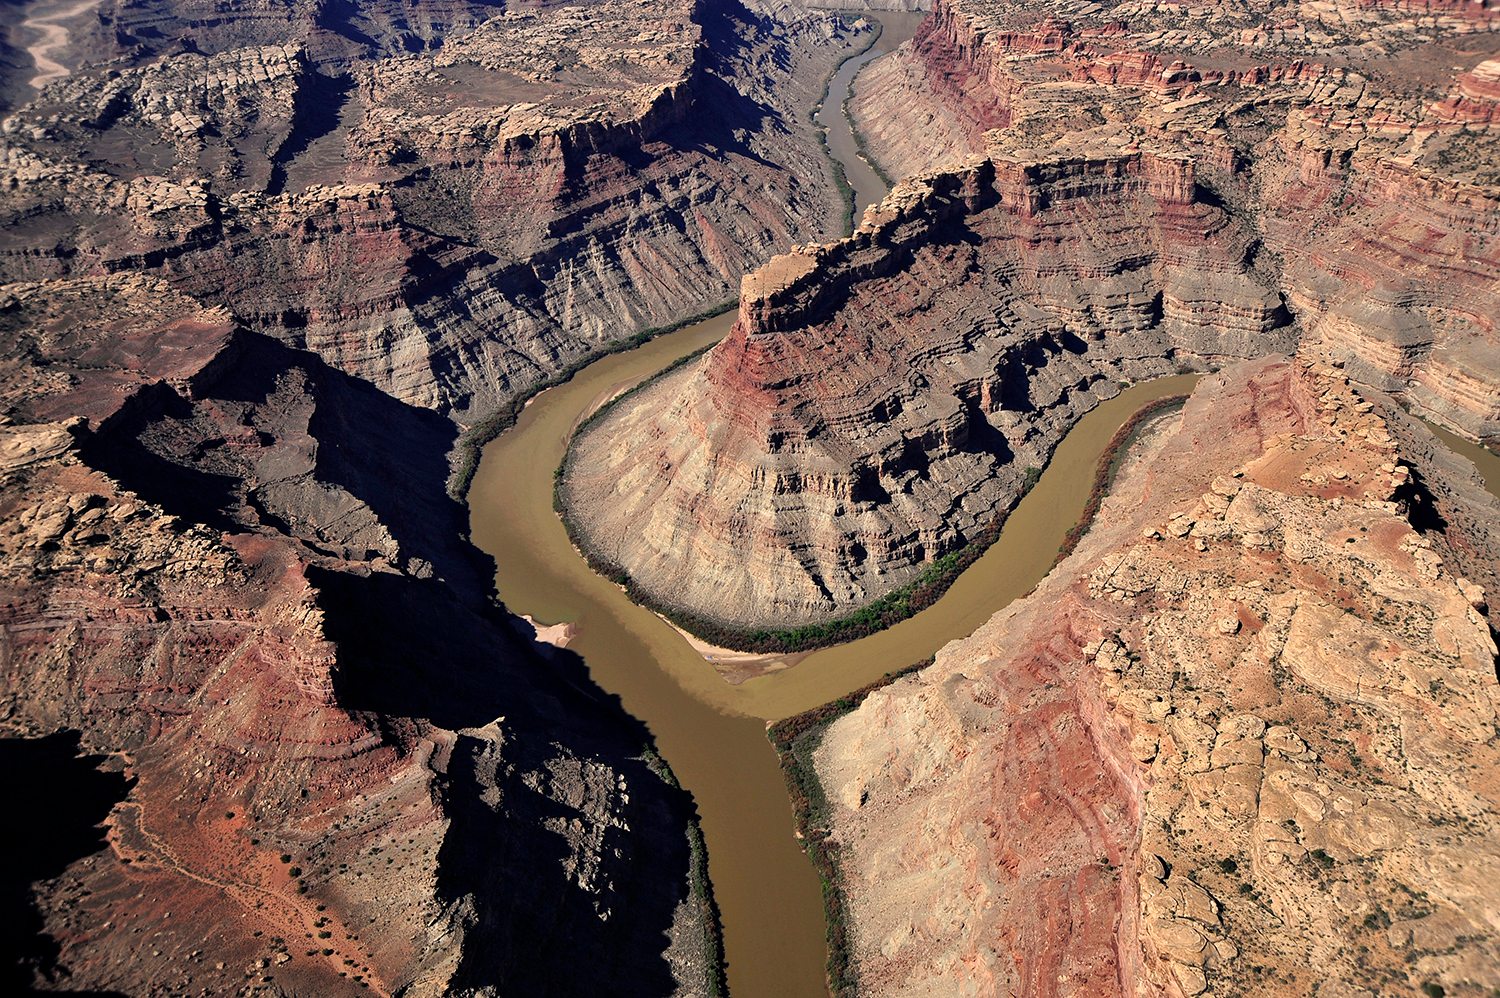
1109, 467
502, 419
886, 611
716, 983
890, 609
796, 739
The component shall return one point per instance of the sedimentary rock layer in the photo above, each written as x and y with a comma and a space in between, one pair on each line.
1098, 199
1360, 146
257, 260
451, 223
881, 399
233, 573
1242, 741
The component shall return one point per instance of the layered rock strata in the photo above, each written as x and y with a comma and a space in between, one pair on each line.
880, 400
1242, 741
258, 262
1359, 145
1120, 191
233, 573
367, 207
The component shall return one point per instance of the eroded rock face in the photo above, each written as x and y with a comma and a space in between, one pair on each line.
1241, 741
258, 260
1356, 138
1107, 196
881, 399
234, 572
452, 222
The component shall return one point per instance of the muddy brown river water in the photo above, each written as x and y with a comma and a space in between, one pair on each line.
711, 733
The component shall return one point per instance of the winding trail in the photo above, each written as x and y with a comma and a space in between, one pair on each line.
45, 19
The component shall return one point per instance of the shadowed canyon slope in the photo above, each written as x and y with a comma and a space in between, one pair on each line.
235, 571
257, 262
1242, 741
1113, 210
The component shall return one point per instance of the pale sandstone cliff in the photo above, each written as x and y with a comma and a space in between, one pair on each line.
1242, 741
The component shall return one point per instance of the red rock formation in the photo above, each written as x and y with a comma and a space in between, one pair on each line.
365, 208
880, 398
1358, 153
1157, 205
230, 569
1219, 750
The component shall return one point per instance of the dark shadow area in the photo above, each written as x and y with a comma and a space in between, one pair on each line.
59, 799
121, 449
319, 102
414, 650
1204, 194
408, 650
16, 66
981, 436
1420, 505
248, 422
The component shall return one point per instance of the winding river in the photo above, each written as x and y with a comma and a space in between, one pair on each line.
713, 734
895, 28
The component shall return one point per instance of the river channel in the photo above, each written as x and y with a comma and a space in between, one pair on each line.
711, 733
895, 28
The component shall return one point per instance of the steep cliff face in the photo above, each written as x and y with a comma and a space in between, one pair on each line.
1241, 741
258, 259
881, 399
885, 395
367, 209
234, 572
1361, 150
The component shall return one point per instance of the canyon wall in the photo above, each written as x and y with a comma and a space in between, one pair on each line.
1242, 741
234, 573
1124, 198
880, 399
259, 265
1361, 150
452, 223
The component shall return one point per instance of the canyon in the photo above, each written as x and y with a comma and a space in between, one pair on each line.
317, 315
353, 194
1113, 210
1240, 741
259, 278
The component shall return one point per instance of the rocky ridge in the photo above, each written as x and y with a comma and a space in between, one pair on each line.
234, 572
881, 399
1240, 742
1225, 194
258, 262
363, 208
1355, 138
